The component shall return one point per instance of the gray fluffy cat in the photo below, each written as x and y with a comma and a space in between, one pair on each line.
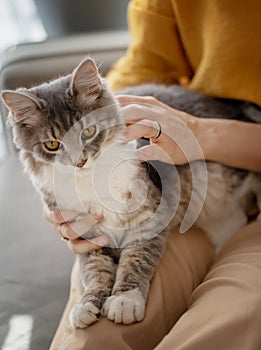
70, 136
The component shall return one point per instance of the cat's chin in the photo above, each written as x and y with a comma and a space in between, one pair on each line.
83, 170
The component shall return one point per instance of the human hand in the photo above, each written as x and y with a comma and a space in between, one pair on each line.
177, 143
65, 223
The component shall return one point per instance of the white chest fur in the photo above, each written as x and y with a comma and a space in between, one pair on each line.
101, 189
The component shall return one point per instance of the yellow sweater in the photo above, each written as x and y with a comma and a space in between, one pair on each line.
212, 46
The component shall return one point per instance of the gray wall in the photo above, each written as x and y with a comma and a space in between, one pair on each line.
61, 17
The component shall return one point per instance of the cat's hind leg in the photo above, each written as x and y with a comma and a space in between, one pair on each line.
97, 274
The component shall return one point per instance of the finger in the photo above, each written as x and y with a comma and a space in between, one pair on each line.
84, 246
64, 231
143, 128
76, 229
127, 99
136, 112
153, 152
59, 216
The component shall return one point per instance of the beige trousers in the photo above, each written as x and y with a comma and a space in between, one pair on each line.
196, 302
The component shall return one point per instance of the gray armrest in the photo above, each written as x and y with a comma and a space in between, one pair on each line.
30, 64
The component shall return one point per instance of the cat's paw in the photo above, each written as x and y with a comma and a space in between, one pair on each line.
83, 315
126, 308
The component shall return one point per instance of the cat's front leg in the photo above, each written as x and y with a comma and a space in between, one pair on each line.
136, 267
97, 274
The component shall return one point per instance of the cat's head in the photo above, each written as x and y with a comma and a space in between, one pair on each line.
56, 120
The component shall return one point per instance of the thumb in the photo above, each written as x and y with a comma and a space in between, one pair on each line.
153, 152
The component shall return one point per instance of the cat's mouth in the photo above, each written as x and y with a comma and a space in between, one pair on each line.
73, 169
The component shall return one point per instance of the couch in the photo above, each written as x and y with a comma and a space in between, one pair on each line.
34, 263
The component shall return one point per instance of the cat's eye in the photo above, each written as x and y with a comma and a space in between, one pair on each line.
52, 145
88, 132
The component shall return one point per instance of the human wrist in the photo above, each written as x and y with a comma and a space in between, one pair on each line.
206, 134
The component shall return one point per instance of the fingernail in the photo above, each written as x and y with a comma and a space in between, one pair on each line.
98, 217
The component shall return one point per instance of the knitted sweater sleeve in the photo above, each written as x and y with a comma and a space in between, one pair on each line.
155, 53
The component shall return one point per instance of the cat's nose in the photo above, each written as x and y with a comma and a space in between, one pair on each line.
81, 163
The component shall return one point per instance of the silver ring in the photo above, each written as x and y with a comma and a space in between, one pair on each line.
63, 238
158, 131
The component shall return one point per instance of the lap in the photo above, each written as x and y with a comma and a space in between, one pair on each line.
182, 267
225, 309
197, 306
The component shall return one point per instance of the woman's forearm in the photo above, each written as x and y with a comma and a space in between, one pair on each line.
230, 142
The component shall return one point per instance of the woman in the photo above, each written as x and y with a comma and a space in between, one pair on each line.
196, 301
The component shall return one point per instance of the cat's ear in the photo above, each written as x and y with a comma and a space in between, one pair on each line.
86, 79
21, 105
